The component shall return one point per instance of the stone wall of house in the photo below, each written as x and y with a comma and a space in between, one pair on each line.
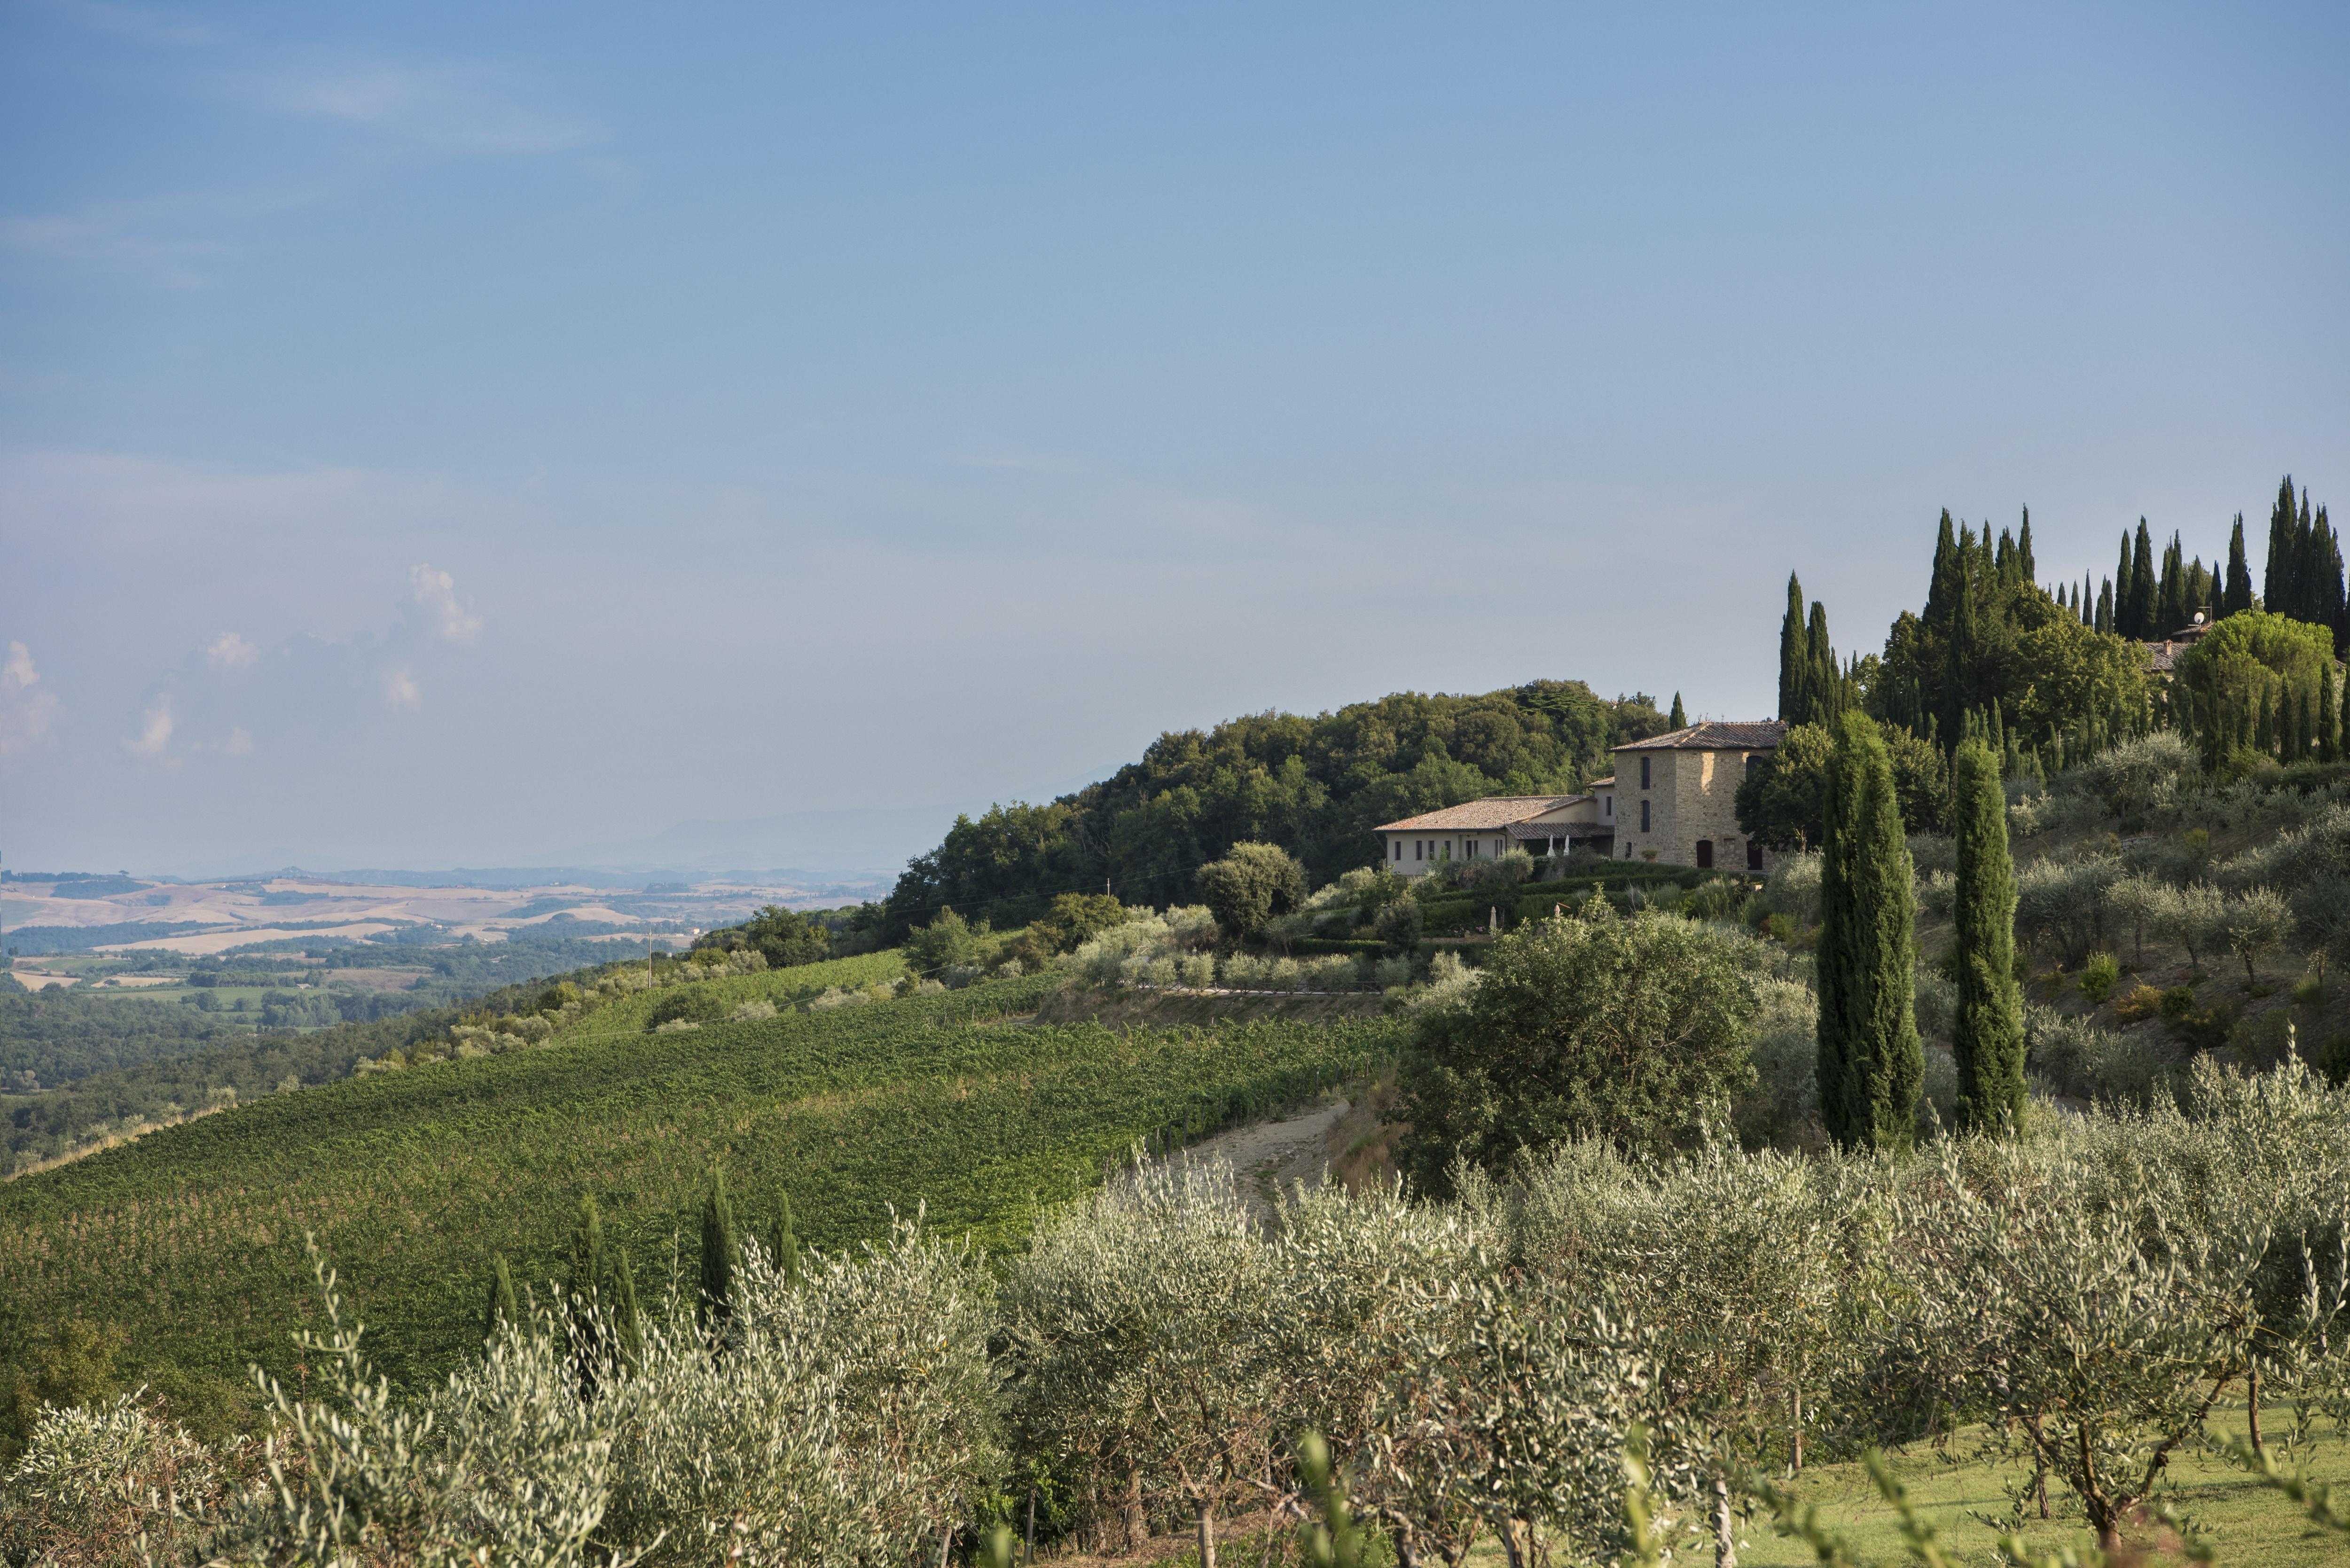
1693, 794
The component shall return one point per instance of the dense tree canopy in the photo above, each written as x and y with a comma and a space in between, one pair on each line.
1629, 1029
1316, 786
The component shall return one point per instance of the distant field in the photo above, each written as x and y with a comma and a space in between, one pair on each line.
191, 1239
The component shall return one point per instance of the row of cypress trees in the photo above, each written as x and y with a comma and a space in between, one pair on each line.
1813, 687
1872, 1063
2292, 721
2303, 577
599, 1292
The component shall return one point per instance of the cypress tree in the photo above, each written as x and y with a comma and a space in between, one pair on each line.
2329, 724
1987, 1035
620, 1306
2304, 727
1795, 654
2124, 588
720, 1255
583, 1296
2237, 594
1940, 593
2277, 579
2139, 621
1679, 720
784, 1244
2085, 599
2002, 560
2170, 605
1871, 1065
2025, 569
2264, 724
2105, 621
501, 1306
1821, 686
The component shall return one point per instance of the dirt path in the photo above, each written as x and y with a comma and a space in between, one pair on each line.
1269, 1157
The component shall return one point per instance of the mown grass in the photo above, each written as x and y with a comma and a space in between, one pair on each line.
190, 1239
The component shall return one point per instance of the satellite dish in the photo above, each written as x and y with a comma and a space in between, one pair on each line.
2198, 617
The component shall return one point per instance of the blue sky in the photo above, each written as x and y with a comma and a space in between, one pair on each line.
446, 435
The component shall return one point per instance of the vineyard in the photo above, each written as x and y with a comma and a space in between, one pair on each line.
190, 1241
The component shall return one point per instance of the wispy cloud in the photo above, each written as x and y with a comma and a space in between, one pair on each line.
457, 106
131, 239
157, 25
27, 709
436, 593
400, 691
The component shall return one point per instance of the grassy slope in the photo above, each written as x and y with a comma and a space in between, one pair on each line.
192, 1239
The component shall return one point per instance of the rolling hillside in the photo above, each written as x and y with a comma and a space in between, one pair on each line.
190, 1241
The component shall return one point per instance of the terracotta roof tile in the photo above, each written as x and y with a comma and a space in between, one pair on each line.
1759, 736
1494, 811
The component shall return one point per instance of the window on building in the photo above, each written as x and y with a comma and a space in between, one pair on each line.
1468, 850
1753, 854
1501, 846
1417, 845
1705, 854
1644, 773
1399, 848
1447, 849
1643, 812
1751, 760
1607, 806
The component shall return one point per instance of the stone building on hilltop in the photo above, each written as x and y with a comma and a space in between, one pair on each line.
1674, 797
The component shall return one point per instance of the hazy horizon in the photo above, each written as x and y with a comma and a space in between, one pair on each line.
441, 437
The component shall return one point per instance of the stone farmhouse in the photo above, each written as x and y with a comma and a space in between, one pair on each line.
1672, 799
1485, 829
1675, 795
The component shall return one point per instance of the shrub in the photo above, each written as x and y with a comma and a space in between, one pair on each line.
686, 1004
752, 1010
1250, 885
2332, 1060
2144, 1001
2099, 976
1794, 889
1400, 925
2310, 993
2066, 904
1632, 1029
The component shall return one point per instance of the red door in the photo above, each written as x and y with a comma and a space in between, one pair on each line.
1705, 854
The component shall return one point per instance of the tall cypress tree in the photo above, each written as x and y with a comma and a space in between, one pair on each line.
583, 1294
1795, 654
501, 1308
1679, 720
2236, 593
1871, 1065
783, 1242
1947, 561
1987, 1035
1823, 687
2124, 588
2139, 620
2277, 594
620, 1308
2105, 621
2026, 568
2170, 603
721, 1252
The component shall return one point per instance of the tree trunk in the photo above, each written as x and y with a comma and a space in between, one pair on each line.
1796, 1399
2252, 1405
1207, 1535
1138, 1527
1031, 1524
1725, 1533
2039, 1465
1512, 1544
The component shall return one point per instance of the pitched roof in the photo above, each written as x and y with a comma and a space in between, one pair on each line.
1607, 783
1758, 735
1494, 811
